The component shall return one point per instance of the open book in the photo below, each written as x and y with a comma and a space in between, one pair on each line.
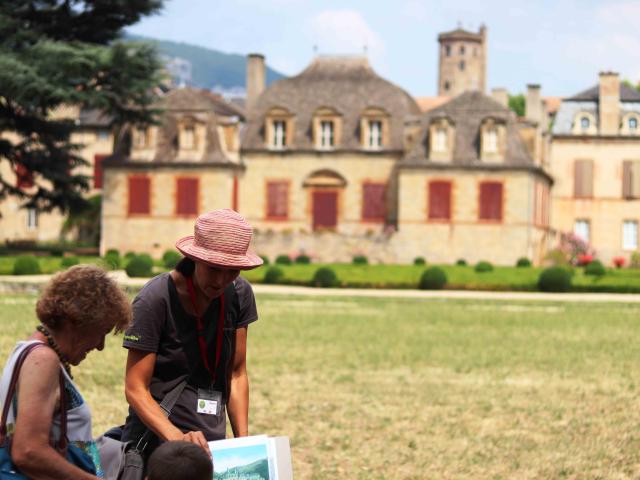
252, 458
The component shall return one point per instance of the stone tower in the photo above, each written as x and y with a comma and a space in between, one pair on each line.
463, 61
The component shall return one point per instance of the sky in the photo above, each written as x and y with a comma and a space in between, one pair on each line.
561, 45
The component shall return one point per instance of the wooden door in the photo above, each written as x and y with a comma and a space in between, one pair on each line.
325, 210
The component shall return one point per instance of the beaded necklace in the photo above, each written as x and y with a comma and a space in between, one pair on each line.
52, 343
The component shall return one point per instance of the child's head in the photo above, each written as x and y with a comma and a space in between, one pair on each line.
179, 460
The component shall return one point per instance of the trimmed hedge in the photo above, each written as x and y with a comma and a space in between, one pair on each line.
461, 262
265, 259
69, 262
139, 266
273, 275
170, 259
554, 279
26, 265
113, 251
303, 259
523, 262
325, 277
112, 260
360, 260
433, 278
129, 255
283, 260
419, 261
483, 267
595, 268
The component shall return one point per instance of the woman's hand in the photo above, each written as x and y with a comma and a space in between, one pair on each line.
197, 438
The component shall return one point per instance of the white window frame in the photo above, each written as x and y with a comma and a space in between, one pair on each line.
279, 140
374, 141
32, 219
440, 140
188, 138
582, 229
630, 235
327, 130
491, 140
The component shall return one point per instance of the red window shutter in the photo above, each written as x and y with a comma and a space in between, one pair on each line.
187, 196
373, 202
139, 195
97, 170
24, 176
439, 200
490, 201
277, 200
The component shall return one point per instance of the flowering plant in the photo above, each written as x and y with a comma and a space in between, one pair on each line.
619, 262
577, 250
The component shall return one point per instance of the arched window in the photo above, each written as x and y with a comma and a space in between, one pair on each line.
585, 123
633, 124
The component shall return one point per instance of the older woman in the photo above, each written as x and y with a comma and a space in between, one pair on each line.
77, 309
191, 325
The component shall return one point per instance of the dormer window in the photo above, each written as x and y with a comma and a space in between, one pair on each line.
633, 124
493, 140
630, 124
375, 134
140, 137
278, 129
441, 135
440, 140
585, 123
374, 126
326, 134
279, 140
187, 139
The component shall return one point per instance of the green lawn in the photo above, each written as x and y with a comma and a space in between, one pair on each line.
414, 389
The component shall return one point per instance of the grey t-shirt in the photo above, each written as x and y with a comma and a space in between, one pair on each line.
162, 326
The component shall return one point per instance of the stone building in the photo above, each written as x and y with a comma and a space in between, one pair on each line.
595, 158
463, 61
170, 173
470, 188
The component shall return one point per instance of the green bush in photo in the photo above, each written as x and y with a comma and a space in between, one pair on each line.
303, 259
523, 262
170, 259
69, 262
483, 267
273, 275
139, 266
419, 261
554, 279
433, 278
283, 260
112, 260
265, 259
360, 260
595, 268
112, 251
461, 262
325, 277
129, 255
26, 265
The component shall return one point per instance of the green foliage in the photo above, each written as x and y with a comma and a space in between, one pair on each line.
112, 260
325, 277
113, 251
517, 104
360, 260
26, 265
146, 258
273, 275
483, 267
461, 262
57, 53
170, 259
283, 260
523, 262
635, 260
555, 279
84, 221
303, 259
433, 278
595, 268
419, 261
129, 255
139, 267
265, 259
69, 262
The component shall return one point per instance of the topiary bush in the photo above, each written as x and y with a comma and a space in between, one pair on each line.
283, 260
26, 265
170, 259
554, 279
483, 267
129, 255
595, 268
325, 277
360, 260
139, 266
419, 261
273, 275
433, 278
69, 262
112, 251
523, 262
265, 259
303, 259
461, 262
112, 260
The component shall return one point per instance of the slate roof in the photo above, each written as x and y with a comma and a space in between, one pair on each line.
627, 94
466, 112
347, 84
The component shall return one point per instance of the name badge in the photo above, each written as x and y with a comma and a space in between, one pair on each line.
209, 402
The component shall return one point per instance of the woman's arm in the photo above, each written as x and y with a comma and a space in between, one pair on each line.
39, 390
140, 365
238, 406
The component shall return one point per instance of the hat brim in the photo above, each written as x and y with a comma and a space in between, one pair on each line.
248, 261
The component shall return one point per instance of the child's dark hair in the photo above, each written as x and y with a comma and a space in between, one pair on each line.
178, 460
186, 267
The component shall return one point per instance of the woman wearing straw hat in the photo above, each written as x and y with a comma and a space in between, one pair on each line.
191, 325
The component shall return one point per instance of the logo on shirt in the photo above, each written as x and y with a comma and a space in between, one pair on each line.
132, 338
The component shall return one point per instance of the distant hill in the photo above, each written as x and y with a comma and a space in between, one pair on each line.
204, 67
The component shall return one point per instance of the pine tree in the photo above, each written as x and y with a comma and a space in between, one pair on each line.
67, 52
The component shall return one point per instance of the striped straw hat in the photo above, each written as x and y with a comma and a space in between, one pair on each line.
221, 238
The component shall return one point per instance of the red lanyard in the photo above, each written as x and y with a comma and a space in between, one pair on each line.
202, 341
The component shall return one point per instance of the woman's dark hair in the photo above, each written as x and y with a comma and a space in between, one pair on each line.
178, 460
186, 267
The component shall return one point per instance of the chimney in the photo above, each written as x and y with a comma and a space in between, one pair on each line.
255, 78
533, 104
609, 99
501, 96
